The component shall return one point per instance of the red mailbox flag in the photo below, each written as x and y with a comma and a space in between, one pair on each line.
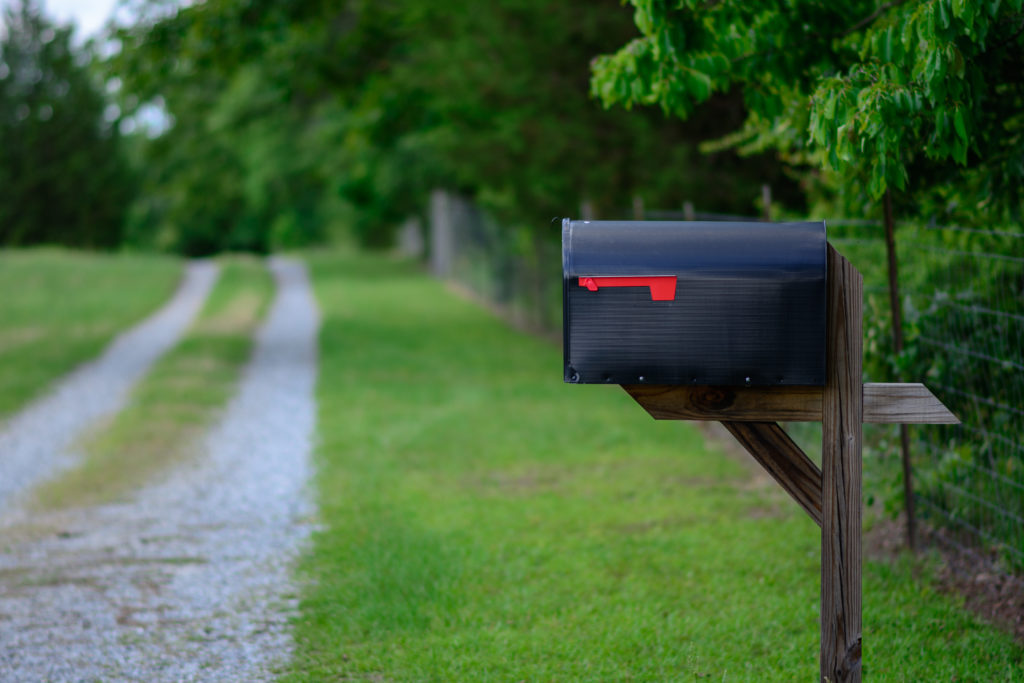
663, 287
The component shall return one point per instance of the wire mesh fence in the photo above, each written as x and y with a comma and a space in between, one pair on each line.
519, 271
962, 297
972, 477
963, 306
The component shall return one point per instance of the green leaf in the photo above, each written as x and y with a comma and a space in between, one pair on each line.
943, 13
960, 153
908, 34
958, 123
844, 147
959, 64
699, 85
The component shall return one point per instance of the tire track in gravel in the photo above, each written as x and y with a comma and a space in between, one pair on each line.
36, 442
191, 580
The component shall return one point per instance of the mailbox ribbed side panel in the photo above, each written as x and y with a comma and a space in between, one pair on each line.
749, 305
722, 332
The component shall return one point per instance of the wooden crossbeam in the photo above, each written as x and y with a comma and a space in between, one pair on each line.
909, 403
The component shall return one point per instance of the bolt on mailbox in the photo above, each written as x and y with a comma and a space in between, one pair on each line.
700, 303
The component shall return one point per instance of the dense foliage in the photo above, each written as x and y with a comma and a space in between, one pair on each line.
62, 176
920, 101
922, 96
286, 117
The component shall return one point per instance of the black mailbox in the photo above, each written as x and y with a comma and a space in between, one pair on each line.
706, 303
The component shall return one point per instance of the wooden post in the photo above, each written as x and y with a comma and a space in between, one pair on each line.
442, 234
587, 212
638, 207
841, 412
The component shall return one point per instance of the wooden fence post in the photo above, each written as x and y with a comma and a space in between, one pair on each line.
587, 212
841, 412
766, 201
638, 207
442, 234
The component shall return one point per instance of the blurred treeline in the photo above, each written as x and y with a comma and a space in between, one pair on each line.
63, 174
260, 124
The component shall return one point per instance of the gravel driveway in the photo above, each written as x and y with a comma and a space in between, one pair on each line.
35, 443
191, 581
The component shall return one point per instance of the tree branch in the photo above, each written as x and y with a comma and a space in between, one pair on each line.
870, 19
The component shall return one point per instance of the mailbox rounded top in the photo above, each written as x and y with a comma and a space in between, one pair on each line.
727, 248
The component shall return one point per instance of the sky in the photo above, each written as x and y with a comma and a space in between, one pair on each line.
88, 15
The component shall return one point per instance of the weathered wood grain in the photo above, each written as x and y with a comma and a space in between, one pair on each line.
788, 465
734, 404
909, 403
841, 413
904, 403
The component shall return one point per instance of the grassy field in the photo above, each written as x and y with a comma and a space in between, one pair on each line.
59, 308
484, 522
177, 400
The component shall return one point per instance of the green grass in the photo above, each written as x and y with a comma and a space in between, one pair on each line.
176, 402
59, 308
483, 521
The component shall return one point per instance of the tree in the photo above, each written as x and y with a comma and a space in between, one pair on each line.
218, 176
496, 96
62, 176
299, 107
920, 96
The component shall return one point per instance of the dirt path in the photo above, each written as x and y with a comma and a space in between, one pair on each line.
191, 581
37, 441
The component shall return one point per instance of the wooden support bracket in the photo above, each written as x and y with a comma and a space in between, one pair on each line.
769, 444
